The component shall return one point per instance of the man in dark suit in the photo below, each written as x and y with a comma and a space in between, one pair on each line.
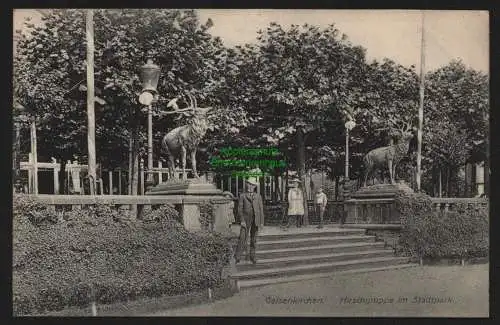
251, 212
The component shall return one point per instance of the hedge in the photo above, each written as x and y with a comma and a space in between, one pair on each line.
96, 255
461, 233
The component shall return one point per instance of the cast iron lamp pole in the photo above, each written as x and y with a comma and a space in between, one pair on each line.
150, 74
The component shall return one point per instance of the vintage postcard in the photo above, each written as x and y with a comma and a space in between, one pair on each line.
251, 162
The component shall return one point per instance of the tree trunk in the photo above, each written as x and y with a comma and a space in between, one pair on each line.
276, 193
435, 189
90, 103
337, 179
262, 188
135, 172
440, 183
448, 182
35, 156
62, 175
130, 163
302, 170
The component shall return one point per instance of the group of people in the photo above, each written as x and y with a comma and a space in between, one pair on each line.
296, 205
251, 212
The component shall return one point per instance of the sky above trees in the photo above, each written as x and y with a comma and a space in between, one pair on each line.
394, 34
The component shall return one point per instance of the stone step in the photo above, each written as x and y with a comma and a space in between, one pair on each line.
243, 284
309, 259
319, 267
311, 241
279, 234
318, 249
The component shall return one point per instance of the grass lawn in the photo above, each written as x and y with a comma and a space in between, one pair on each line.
444, 291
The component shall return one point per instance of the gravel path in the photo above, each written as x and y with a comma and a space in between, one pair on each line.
431, 291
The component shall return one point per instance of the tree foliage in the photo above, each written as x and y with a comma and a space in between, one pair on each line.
456, 105
293, 88
50, 75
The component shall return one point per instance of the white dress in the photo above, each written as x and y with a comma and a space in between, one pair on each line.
295, 202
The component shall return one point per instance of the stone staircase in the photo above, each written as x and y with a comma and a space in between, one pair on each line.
305, 253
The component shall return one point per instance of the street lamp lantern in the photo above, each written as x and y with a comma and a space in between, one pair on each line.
146, 98
150, 74
349, 125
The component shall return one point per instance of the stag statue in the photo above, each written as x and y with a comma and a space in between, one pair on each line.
186, 138
388, 157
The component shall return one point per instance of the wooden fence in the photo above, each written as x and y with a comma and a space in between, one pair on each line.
109, 181
272, 188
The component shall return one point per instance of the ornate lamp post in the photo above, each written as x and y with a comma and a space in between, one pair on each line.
150, 74
349, 125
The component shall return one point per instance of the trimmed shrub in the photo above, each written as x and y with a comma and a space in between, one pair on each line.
412, 206
461, 233
92, 256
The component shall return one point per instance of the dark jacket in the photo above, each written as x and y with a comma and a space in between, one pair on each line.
245, 211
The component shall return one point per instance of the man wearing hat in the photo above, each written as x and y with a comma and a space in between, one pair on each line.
251, 212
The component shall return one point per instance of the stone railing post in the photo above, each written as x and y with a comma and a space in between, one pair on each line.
160, 172
378, 208
141, 172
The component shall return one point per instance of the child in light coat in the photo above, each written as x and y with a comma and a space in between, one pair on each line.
320, 201
295, 203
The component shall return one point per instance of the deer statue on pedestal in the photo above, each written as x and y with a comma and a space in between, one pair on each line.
186, 138
388, 157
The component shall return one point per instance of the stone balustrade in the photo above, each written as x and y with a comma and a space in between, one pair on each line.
376, 212
183, 202
447, 204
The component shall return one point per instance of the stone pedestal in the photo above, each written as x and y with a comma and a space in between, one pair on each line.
381, 190
190, 213
188, 187
194, 192
374, 205
220, 218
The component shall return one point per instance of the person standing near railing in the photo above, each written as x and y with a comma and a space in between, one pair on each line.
229, 209
320, 201
295, 203
251, 212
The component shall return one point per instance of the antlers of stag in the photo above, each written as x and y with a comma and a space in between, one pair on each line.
407, 128
402, 130
188, 111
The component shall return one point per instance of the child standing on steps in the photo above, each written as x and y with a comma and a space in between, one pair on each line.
229, 209
320, 202
295, 203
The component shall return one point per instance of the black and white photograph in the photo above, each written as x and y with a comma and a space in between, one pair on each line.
250, 162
